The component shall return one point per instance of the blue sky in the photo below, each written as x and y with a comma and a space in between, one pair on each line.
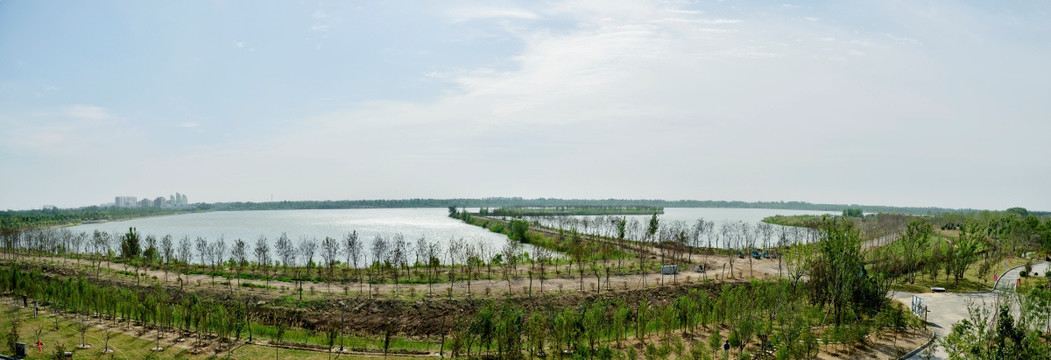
895, 103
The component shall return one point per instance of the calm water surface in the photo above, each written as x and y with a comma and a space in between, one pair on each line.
430, 223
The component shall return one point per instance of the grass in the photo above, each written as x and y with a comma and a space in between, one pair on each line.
125, 347
131, 347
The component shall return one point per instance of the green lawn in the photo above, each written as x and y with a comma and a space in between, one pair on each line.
131, 347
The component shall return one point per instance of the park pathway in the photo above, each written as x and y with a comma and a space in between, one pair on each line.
946, 309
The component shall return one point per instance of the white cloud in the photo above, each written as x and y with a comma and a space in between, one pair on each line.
653, 97
72, 131
903, 39
485, 13
189, 124
86, 112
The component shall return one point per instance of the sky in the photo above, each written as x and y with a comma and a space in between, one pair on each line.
905, 103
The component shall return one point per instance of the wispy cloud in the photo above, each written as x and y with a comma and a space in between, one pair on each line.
479, 13
88, 112
189, 125
903, 39
71, 131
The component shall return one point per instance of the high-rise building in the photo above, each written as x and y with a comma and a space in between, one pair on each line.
125, 201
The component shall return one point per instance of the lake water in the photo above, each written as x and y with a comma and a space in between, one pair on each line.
687, 217
430, 223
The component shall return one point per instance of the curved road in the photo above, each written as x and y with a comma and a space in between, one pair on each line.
946, 309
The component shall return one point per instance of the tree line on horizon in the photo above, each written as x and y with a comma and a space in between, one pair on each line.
14, 220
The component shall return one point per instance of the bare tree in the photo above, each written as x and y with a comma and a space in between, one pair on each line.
470, 255
354, 252
329, 252
379, 251
399, 255
239, 253
77, 242
100, 244
307, 248
434, 251
167, 253
185, 255
782, 243
353, 248
421, 249
219, 251
455, 251
262, 256
510, 255
202, 250
749, 235
542, 256
286, 250
728, 232
766, 231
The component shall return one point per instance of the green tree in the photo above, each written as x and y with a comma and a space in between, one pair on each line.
519, 230
654, 226
974, 338
838, 278
129, 246
964, 251
13, 332
917, 235
537, 330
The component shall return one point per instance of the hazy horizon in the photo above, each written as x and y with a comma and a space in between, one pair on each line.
924, 104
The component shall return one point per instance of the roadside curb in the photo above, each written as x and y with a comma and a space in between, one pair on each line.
1001, 277
921, 348
1041, 262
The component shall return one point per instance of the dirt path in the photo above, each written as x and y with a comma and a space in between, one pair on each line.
569, 281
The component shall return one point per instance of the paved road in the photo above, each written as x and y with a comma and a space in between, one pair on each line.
946, 309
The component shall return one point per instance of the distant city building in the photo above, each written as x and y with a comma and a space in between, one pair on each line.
126, 201
172, 201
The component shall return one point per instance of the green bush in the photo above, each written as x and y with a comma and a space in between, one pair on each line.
497, 228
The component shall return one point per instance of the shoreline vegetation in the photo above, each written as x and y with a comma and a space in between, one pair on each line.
518, 211
14, 220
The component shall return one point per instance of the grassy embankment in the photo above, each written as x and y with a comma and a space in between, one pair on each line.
572, 211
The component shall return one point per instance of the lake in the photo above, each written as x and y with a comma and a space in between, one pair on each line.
687, 217
430, 223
